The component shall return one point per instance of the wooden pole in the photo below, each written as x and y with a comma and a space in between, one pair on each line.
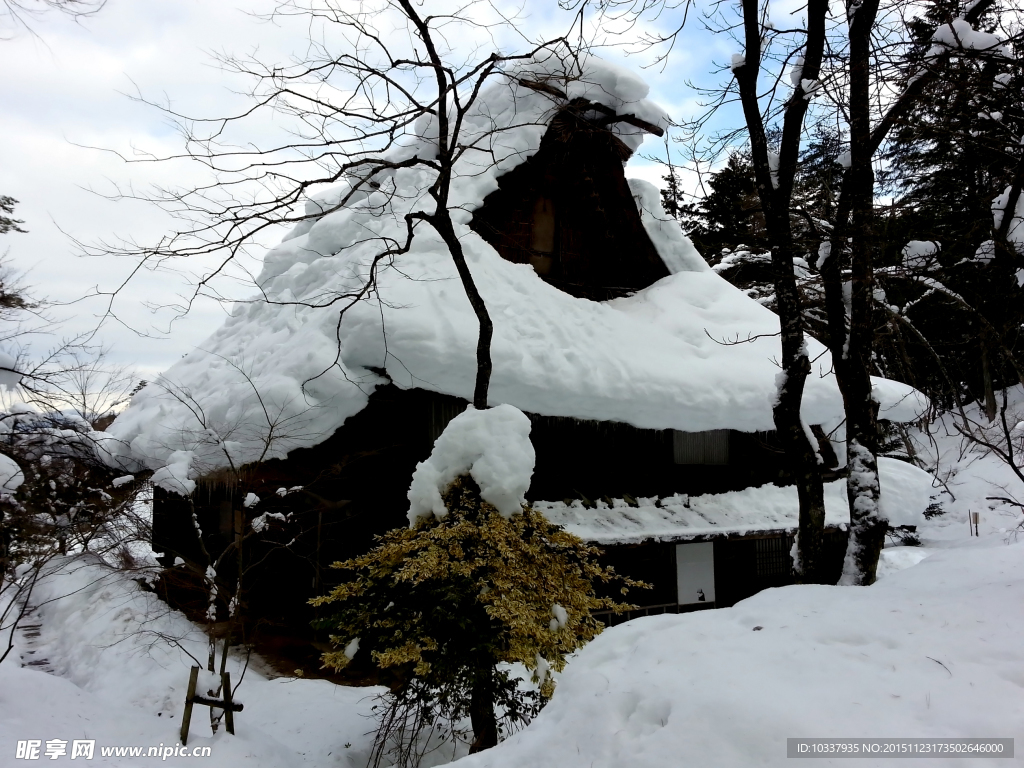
229, 710
186, 718
191, 699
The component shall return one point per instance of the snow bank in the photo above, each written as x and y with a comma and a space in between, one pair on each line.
930, 651
120, 660
493, 446
661, 359
896, 559
906, 492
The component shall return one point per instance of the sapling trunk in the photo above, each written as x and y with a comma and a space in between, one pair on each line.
481, 708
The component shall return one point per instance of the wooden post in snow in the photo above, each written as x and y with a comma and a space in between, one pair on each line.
186, 718
227, 704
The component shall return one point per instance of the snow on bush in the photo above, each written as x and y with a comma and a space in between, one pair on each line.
897, 401
919, 255
11, 476
492, 446
906, 491
1015, 232
960, 34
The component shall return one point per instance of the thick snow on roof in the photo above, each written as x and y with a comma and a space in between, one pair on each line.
663, 358
906, 492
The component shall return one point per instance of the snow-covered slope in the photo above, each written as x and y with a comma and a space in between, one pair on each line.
660, 359
119, 660
931, 651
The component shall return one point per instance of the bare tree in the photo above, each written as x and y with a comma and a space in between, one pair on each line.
869, 77
845, 70
209, 444
26, 13
398, 81
401, 94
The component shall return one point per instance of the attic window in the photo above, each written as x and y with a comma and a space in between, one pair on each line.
711, 447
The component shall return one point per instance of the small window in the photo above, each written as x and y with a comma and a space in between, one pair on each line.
695, 573
711, 447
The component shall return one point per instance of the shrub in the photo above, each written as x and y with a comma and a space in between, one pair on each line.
438, 606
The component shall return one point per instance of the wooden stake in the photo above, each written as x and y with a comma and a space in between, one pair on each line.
229, 709
186, 718
191, 699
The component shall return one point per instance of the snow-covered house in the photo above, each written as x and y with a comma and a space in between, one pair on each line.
647, 377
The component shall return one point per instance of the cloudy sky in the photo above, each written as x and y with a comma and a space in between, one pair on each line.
67, 118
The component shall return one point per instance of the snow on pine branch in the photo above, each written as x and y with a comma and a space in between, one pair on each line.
958, 36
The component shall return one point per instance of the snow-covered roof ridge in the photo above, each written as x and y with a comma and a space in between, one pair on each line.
663, 358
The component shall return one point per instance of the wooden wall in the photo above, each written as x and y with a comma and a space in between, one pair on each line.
569, 211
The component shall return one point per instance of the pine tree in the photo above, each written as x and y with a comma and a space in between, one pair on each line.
958, 150
7, 222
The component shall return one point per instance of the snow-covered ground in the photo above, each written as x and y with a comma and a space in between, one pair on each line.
932, 650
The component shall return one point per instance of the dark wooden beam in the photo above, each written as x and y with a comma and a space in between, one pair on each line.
584, 105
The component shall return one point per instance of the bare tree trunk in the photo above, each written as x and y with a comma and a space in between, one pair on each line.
775, 188
441, 221
851, 351
481, 709
986, 381
851, 346
803, 461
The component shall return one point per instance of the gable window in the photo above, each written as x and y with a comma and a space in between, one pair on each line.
711, 447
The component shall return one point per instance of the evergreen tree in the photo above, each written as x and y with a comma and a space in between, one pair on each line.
436, 607
7, 221
957, 151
